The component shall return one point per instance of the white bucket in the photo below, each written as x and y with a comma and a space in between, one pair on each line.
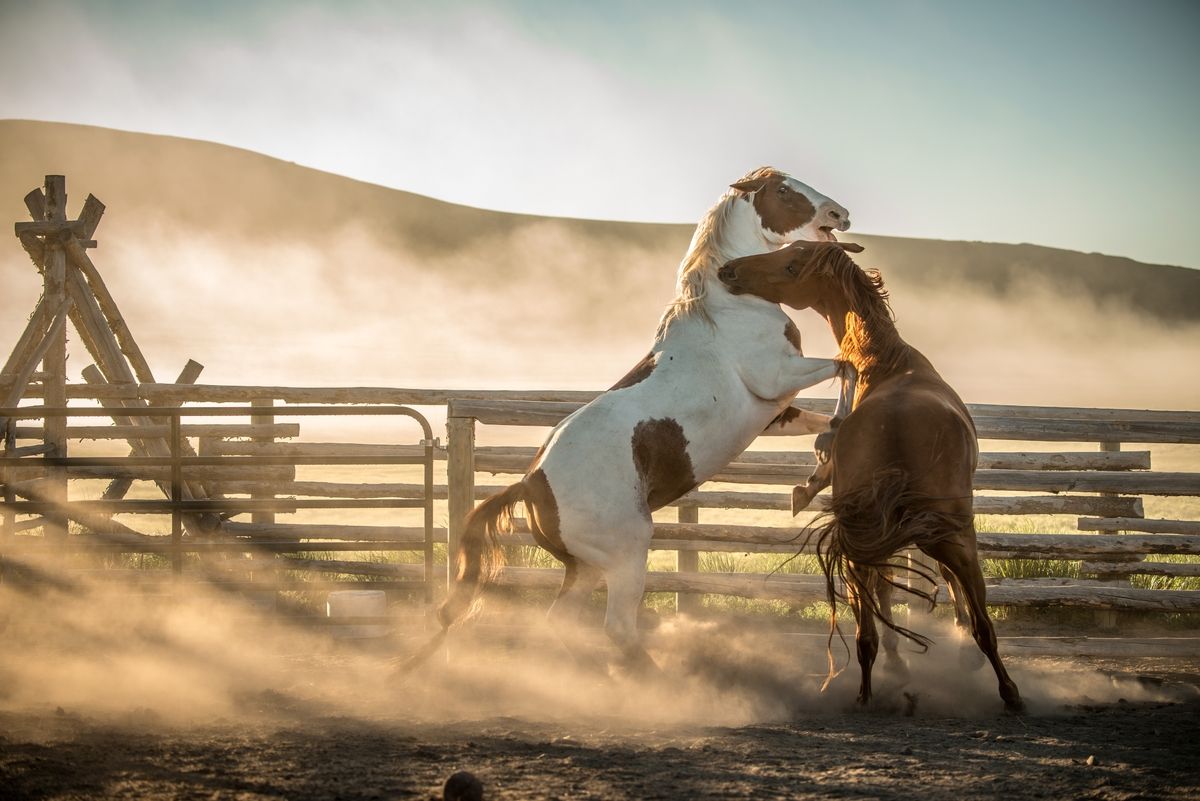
357, 603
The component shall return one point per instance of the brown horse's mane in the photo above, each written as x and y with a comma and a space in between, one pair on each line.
871, 341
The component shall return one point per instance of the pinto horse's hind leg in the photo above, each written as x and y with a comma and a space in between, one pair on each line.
578, 582
626, 582
960, 556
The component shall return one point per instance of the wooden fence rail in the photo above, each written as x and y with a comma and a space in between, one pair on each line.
1099, 487
1102, 490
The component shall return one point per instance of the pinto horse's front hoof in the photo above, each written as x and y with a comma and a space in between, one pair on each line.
801, 498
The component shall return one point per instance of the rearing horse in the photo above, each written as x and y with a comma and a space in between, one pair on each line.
721, 368
903, 460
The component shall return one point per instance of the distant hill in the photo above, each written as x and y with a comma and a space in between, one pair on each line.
1158, 291
273, 273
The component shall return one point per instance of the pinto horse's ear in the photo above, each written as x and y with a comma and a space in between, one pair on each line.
749, 185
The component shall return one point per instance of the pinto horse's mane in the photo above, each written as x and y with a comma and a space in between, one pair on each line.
871, 338
705, 256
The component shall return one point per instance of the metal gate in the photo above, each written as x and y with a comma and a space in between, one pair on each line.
236, 470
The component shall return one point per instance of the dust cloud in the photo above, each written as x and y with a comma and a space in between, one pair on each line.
543, 306
1034, 343
525, 309
197, 656
270, 273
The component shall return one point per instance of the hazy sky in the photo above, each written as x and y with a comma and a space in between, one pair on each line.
1059, 122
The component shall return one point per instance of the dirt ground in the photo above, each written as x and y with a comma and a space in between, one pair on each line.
282, 745
109, 695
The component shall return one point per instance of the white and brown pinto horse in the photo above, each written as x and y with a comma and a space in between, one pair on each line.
721, 369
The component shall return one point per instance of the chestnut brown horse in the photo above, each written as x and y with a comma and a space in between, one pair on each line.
901, 463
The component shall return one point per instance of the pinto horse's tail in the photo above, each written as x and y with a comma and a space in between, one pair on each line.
864, 529
479, 558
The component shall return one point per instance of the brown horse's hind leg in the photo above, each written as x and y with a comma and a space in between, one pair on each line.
962, 617
866, 635
892, 661
961, 558
969, 658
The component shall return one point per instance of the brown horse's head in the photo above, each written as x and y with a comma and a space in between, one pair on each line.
796, 275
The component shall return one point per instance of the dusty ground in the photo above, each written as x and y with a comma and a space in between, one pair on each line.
1118, 751
284, 746
116, 696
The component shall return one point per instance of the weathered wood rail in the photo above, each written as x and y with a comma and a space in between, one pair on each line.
1061, 483
1097, 486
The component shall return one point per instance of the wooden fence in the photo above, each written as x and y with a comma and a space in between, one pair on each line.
1102, 489
213, 472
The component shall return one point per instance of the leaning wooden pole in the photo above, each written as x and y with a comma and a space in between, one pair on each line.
22, 354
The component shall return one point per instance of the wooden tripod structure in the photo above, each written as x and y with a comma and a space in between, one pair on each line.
73, 291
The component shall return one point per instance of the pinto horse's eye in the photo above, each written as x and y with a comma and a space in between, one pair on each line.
784, 189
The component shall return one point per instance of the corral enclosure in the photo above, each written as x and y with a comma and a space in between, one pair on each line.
175, 558
258, 492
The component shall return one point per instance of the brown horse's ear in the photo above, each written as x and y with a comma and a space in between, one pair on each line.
749, 185
823, 254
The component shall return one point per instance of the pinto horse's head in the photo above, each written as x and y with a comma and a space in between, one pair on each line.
797, 275
789, 210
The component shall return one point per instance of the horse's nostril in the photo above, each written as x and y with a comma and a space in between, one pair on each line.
835, 215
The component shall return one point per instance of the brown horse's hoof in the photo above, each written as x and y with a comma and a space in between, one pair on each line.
894, 665
1014, 707
970, 658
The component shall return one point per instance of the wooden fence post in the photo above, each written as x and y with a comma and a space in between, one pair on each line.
688, 562
460, 483
54, 363
10, 517
265, 418
1107, 619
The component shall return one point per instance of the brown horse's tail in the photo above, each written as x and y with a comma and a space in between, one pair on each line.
479, 558
865, 528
